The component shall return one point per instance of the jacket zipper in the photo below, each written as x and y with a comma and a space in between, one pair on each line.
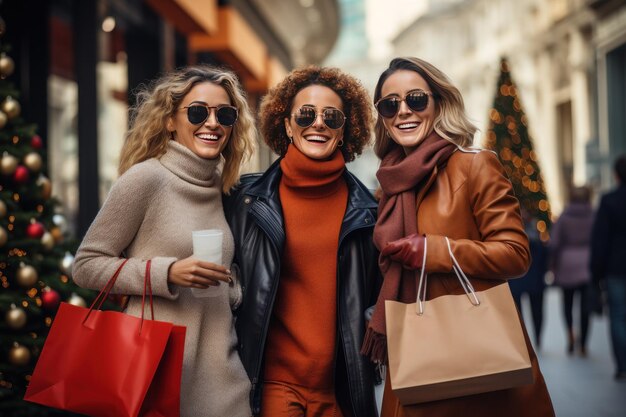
255, 379
351, 389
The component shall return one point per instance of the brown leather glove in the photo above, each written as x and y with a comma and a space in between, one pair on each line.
409, 251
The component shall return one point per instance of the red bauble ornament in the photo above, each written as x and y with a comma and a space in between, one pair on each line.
35, 230
36, 142
21, 174
50, 299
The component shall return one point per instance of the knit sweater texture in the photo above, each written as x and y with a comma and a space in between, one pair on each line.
302, 336
150, 213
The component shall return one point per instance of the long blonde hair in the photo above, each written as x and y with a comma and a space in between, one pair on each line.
148, 135
451, 120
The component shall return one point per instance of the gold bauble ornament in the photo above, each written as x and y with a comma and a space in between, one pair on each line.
57, 234
7, 65
4, 236
11, 107
46, 186
8, 163
47, 241
33, 161
77, 300
27, 275
3, 120
3, 209
16, 317
19, 355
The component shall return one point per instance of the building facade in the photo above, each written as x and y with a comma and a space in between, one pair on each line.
78, 63
567, 59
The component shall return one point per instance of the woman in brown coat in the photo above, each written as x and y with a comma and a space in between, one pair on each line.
435, 185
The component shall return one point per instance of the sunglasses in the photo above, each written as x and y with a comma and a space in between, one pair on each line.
333, 118
198, 113
416, 100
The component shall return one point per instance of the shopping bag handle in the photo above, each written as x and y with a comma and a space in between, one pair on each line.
104, 293
147, 283
423, 282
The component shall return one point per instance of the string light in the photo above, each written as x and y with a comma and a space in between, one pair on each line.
541, 226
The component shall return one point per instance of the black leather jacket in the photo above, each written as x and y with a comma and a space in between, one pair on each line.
255, 216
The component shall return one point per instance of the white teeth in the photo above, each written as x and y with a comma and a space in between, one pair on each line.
207, 136
316, 138
407, 125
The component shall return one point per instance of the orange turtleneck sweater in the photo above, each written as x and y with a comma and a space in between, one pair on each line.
302, 335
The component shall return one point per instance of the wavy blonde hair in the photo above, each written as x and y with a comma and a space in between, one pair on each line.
148, 135
451, 121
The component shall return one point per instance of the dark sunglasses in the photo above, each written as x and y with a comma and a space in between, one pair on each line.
416, 100
198, 113
305, 116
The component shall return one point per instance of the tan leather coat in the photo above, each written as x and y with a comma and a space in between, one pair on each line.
471, 201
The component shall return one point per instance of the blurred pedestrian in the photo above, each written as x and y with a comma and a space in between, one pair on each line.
532, 284
608, 261
189, 133
303, 233
570, 240
436, 186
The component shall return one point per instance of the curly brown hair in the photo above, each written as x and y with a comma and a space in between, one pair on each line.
276, 106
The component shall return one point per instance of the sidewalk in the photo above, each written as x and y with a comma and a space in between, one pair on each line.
579, 387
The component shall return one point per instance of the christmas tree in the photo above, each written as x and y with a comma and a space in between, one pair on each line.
508, 136
35, 254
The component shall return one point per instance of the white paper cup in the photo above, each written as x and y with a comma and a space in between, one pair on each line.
207, 246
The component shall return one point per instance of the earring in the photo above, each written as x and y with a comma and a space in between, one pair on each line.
340, 144
290, 139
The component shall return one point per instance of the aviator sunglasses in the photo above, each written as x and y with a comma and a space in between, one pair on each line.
198, 113
416, 100
333, 118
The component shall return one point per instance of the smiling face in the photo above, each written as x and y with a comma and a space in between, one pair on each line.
408, 128
208, 139
317, 141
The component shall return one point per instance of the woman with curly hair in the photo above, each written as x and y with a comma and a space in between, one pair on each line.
189, 132
303, 239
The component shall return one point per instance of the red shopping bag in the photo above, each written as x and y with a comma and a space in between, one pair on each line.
106, 363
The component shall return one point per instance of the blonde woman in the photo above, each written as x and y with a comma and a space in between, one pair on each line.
435, 186
189, 133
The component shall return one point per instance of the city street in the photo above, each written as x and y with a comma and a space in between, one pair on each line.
579, 387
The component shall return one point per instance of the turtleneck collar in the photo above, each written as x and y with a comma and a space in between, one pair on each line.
183, 163
312, 178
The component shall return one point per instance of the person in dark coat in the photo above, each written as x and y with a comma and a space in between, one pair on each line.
303, 239
608, 261
533, 283
569, 260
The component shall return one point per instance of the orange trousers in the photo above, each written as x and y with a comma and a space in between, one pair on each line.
281, 399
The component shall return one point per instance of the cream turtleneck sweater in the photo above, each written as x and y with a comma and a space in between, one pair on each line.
150, 213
